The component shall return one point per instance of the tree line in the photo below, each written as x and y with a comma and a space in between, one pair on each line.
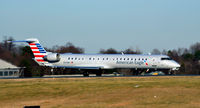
21, 56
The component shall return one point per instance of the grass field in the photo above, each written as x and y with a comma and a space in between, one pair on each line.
119, 92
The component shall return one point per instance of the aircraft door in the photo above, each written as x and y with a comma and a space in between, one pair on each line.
154, 62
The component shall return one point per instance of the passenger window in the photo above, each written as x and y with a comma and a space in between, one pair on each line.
89, 58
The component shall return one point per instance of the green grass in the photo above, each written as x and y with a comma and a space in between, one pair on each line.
125, 92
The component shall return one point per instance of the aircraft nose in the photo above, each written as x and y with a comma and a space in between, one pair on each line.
174, 64
177, 65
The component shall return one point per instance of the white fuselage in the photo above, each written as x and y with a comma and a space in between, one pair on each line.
111, 61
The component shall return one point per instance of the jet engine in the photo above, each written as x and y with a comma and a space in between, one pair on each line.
54, 57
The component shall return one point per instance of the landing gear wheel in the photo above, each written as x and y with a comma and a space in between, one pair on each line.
85, 74
98, 74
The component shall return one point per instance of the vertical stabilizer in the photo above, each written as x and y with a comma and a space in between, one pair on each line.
38, 51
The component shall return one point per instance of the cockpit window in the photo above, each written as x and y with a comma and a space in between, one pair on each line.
166, 58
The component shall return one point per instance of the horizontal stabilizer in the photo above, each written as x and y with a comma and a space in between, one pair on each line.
28, 41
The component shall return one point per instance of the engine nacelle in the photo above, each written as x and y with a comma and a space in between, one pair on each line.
54, 57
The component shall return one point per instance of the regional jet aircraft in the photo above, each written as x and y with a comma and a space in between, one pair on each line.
100, 61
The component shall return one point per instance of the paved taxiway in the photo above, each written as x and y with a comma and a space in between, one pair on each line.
91, 76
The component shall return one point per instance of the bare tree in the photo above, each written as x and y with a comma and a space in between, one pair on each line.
131, 51
8, 45
195, 47
109, 51
155, 51
164, 52
68, 48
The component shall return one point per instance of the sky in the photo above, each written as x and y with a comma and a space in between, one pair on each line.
102, 24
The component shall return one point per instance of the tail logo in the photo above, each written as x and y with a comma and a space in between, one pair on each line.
38, 51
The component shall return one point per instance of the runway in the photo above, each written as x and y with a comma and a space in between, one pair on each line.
91, 76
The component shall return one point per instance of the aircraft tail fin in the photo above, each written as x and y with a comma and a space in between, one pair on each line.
38, 51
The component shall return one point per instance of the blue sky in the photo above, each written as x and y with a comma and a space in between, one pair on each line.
96, 24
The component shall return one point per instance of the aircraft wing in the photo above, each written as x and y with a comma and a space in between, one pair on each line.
85, 67
77, 67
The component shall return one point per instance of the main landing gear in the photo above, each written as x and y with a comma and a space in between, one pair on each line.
87, 72
99, 72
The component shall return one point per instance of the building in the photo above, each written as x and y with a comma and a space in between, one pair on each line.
9, 70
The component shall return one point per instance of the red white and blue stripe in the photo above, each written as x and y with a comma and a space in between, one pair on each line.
38, 51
